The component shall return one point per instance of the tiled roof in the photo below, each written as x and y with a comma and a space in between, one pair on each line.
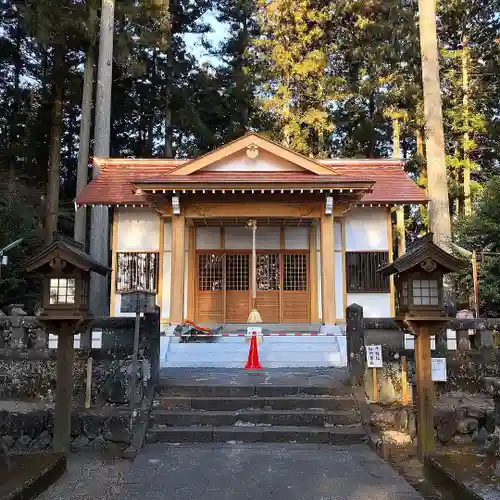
115, 183
393, 185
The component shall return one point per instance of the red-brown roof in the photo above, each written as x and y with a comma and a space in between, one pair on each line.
115, 185
393, 185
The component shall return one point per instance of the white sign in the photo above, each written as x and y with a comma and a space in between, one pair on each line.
374, 356
438, 367
254, 331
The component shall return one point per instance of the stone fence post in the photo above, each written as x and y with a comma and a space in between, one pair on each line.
19, 338
463, 343
355, 343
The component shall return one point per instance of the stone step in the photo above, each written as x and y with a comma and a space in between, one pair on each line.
329, 403
263, 390
333, 361
283, 434
257, 417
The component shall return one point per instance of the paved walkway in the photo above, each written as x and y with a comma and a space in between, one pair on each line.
238, 471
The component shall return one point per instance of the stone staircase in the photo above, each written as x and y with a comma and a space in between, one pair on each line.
255, 413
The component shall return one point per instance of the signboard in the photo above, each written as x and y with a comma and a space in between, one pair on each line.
254, 330
438, 368
374, 356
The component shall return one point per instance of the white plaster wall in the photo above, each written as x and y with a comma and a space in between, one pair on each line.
366, 229
138, 229
375, 305
320, 297
167, 236
165, 299
296, 238
265, 162
339, 286
208, 238
267, 238
337, 235
238, 238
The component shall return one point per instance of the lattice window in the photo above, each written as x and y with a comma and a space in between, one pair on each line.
361, 271
295, 272
237, 271
62, 290
210, 272
137, 271
425, 292
268, 272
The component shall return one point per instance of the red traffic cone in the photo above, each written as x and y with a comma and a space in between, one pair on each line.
253, 356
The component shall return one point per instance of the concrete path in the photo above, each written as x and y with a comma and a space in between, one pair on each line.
240, 471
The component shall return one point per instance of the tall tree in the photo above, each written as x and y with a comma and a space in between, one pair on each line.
439, 211
86, 122
99, 229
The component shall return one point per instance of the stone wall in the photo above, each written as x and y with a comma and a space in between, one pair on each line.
458, 420
28, 373
465, 372
32, 431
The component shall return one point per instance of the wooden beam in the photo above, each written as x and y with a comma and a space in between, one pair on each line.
327, 239
313, 275
191, 273
114, 263
177, 270
252, 209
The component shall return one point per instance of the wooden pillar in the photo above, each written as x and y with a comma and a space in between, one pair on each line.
313, 275
161, 247
114, 263
191, 272
425, 393
177, 270
327, 238
64, 389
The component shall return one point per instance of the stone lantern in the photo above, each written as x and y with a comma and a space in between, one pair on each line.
421, 309
66, 269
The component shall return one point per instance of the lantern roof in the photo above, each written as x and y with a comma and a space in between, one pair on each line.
67, 249
420, 250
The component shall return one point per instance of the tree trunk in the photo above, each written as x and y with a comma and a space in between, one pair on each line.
437, 186
85, 124
467, 209
166, 47
54, 167
99, 231
396, 150
168, 100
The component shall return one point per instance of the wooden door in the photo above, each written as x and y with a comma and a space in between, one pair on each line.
295, 301
237, 287
209, 290
268, 286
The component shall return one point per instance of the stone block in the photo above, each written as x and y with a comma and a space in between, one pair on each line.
6, 442
243, 434
492, 386
117, 429
92, 426
446, 426
22, 444
467, 425
384, 420
42, 442
79, 442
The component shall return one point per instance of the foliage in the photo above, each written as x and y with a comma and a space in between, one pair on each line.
481, 232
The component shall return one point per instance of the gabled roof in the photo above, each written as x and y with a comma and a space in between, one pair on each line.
383, 181
69, 250
249, 140
419, 250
